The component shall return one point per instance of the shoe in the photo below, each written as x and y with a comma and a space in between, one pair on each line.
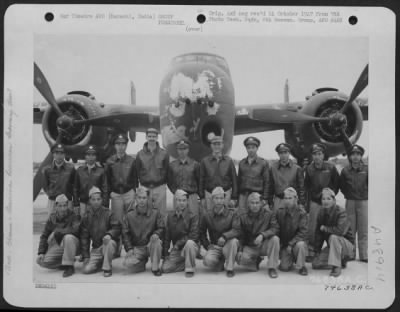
230, 273
336, 271
80, 258
157, 273
107, 273
344, 263
309, 259
69, 270
364, 260
259, 260
199, 256
272, 273
189, 274
303, 271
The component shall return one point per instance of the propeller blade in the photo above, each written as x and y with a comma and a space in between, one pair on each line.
38, 179
346, 141
283, 116
43, 87
59, 136
360, 85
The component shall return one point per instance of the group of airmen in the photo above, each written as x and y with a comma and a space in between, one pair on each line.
280, 211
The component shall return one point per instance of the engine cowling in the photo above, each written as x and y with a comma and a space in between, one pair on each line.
76, 137
324, 105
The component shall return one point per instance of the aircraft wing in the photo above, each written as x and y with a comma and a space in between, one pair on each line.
137, 118
260, 118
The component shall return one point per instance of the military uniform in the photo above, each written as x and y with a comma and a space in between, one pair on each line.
183, 231
219, 224
316, 179
354, 186
122, 180
338, 235
248, 227
137, 230
293, 225
185, 175
85, 178
253, 176
96, 224
58, 179
152, 168
217, 171
59, 242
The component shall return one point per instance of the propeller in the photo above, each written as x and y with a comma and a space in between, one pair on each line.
360, 85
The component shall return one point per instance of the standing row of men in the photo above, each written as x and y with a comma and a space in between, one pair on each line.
151, 168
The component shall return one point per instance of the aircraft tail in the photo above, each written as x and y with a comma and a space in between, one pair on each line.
286, 92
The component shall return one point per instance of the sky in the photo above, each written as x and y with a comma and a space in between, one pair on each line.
104, 65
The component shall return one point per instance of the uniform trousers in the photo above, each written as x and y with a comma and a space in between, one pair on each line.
158, 198
101, 257
63, 254
210, 203
251, 254
357, 213
216, 256
137, 262
297, 257
314, 209
338, 248
121, 202
51, 206
181, 260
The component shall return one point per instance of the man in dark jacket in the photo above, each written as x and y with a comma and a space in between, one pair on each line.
183, 173
101, 227
222, 246
152, 167
59, 242
334, 228
143, 231
58, 178
319, 174
89, 175
354, 186
283, 174
182, 229
257, 230
217, 169
293, 223
253, 175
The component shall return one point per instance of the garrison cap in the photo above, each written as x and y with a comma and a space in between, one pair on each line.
283, 147
58, 148
61, 199
94, 190
216, 139
253, 195
318, 147
91, 149
182, 144
217, 191
251, 140
121, 138
357, 149
328, 191
151, 130
290, 190
180, 193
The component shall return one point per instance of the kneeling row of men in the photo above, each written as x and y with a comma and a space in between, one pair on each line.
228, 237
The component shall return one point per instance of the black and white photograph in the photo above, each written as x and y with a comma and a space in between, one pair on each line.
192, 160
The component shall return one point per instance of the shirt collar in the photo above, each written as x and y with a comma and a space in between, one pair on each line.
145, 213
255, 160
289, 164
58, 166
255, 215
359, 168
321, 168
96, 212
120, 159
219, 213
178, 215
215, 157
185, 161
146, 147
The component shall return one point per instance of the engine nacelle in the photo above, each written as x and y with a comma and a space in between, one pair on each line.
77, 137
324, 104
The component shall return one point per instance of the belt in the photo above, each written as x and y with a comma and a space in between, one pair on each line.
152, 185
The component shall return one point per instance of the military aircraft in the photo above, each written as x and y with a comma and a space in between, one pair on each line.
196, 102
